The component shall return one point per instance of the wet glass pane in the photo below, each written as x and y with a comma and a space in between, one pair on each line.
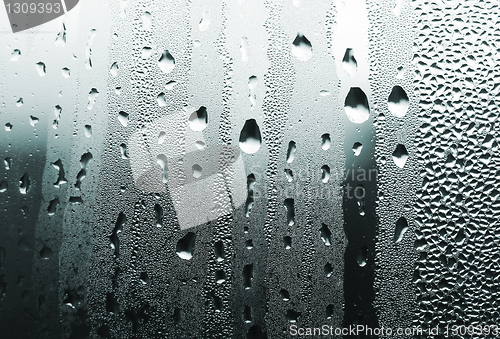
249, 169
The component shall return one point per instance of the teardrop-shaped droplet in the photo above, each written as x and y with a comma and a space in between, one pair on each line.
356, 105
302, 48
398, 102
401, 228
198, 120
400, 155
166, 62
250, 139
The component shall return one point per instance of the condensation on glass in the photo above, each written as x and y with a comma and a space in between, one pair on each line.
246, 169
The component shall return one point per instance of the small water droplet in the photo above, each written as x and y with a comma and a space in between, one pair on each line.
325, 141
40, 67
356, 148
185, 246
123, 118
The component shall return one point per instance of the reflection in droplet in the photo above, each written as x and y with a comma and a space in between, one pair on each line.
349, 63
290, 154
356, 148
400, 155
166, 63
250, 138
185, 246
302, 48
198, 120
356, 105
325, 141
398, 102
401, 228
40, 67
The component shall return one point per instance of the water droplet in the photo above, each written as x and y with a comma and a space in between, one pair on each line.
356, 105
292, 316
197, 170
161, 137
302, 48
33, 120
290, 154
24, 183
220, 276
84, 161
250, 139
40, 67
88, 131
326, 235
160, 99
398, 102
219, 250
325, 173
166, 63
247, 276
88, 49
198, 120
289, 174
114, 69
362, 256
356, 148
65, 72
290, 211
170, 85
123, 118
287, 241
349, 63
284, 295
146, 52
92, 97
252, 85
185, 246
247, 315
328, 269
400, 155
146, 21
15, 55
325, 141
52, 209
123, 151
158, 215
401, 228
8, 127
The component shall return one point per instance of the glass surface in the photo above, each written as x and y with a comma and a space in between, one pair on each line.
249, 169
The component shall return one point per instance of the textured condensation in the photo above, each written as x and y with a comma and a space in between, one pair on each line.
228, 169
391, 41
456, 77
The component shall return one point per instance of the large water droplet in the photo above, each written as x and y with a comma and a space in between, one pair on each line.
400, 155
247, 276
146, 21
250, 139
356, 105
198, 120
398, 102
302, 48
290, 211
362, 256
166, 62
185, 246
401, 228
326, 235
325, 173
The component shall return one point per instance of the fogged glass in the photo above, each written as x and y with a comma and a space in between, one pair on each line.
250, 169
